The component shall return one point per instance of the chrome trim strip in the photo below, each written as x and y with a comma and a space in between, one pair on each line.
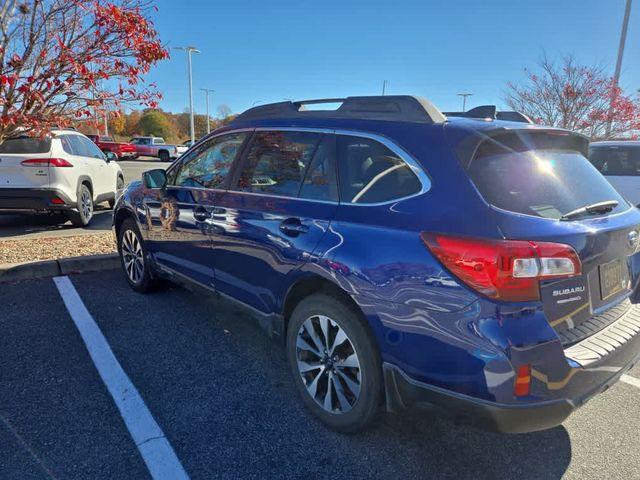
607, 340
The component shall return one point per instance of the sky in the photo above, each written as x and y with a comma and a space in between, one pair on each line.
265, 51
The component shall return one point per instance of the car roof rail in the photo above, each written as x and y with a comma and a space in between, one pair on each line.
404, 108
491, 112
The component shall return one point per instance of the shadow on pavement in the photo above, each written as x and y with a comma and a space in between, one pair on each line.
452, 450
33, 226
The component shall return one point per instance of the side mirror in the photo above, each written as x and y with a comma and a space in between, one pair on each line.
155, 178
111, 157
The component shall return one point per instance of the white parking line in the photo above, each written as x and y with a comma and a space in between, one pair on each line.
155, 449
630, 380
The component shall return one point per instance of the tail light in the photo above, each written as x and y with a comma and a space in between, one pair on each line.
509, 270
522, 386
46, 162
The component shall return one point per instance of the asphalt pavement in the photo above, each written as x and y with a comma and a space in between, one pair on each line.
220, 391
45, 226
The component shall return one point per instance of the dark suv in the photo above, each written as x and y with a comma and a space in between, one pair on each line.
404, 258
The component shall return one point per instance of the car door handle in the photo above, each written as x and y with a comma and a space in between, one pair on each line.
293, 227
201, 214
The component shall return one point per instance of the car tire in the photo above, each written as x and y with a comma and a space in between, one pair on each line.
133, 256
84, 213
164, 156
119, 188
339, 378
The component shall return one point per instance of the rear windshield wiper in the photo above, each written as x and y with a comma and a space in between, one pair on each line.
600, 207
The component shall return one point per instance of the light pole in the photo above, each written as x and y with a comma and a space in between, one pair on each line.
189, 51
384, 87
464, 100
206, 92
616, 75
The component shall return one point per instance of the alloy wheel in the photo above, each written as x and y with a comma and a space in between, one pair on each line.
86, 205
328, 364
132, 256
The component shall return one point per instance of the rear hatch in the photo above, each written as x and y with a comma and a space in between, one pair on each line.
542, 188
19, 162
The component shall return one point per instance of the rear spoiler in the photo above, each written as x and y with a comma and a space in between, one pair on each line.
491, 112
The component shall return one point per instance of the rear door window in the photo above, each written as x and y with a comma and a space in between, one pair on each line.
21, 145
616, 160
277, 162
544, 183
371, 173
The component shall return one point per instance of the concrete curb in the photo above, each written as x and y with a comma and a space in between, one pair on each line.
61, 266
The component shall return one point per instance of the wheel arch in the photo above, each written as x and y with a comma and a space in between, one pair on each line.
306, 285
118, 219
84, 180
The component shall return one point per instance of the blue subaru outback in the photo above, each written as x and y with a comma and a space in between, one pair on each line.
404, 258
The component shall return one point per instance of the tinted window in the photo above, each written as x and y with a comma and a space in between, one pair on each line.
209, 165
87, 147
320, 182
616, 160
25, 145
371, 173
67, 144
78, 147
545, 183
277, 162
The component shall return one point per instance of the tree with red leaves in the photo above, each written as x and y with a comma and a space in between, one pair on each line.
68, 60
576, 97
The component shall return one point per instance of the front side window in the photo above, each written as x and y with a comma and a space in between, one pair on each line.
90, 148
209, 165
372, 173
616, 160
277, 162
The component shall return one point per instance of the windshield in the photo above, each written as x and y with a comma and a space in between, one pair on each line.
616, 160
544, 183
26, 145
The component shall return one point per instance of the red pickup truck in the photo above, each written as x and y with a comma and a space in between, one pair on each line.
108, 144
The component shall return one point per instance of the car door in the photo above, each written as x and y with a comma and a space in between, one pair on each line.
281, 202
104, 177
179, 217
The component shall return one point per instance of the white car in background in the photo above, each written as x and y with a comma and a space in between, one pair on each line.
61, 173
619, 162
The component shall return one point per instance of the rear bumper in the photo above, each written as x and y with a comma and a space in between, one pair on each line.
30, 199
562, 380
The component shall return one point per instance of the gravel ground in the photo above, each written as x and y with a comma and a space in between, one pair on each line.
28, 250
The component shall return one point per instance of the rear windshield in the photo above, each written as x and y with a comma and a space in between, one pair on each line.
544, 183
616, 160
25, 145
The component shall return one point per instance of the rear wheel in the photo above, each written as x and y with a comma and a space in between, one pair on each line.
335, 363
164, 156
84, 213
134, 261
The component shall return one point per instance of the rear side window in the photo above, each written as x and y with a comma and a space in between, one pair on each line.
26, 145
277, 162
371, 173
544, 183
208, 166
67, 144
320, 182
616, 160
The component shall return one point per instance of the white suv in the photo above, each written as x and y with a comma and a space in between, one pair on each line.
64, 172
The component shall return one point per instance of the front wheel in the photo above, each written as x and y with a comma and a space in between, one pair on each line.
133, 257
164, 156
335, 362
119, 188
